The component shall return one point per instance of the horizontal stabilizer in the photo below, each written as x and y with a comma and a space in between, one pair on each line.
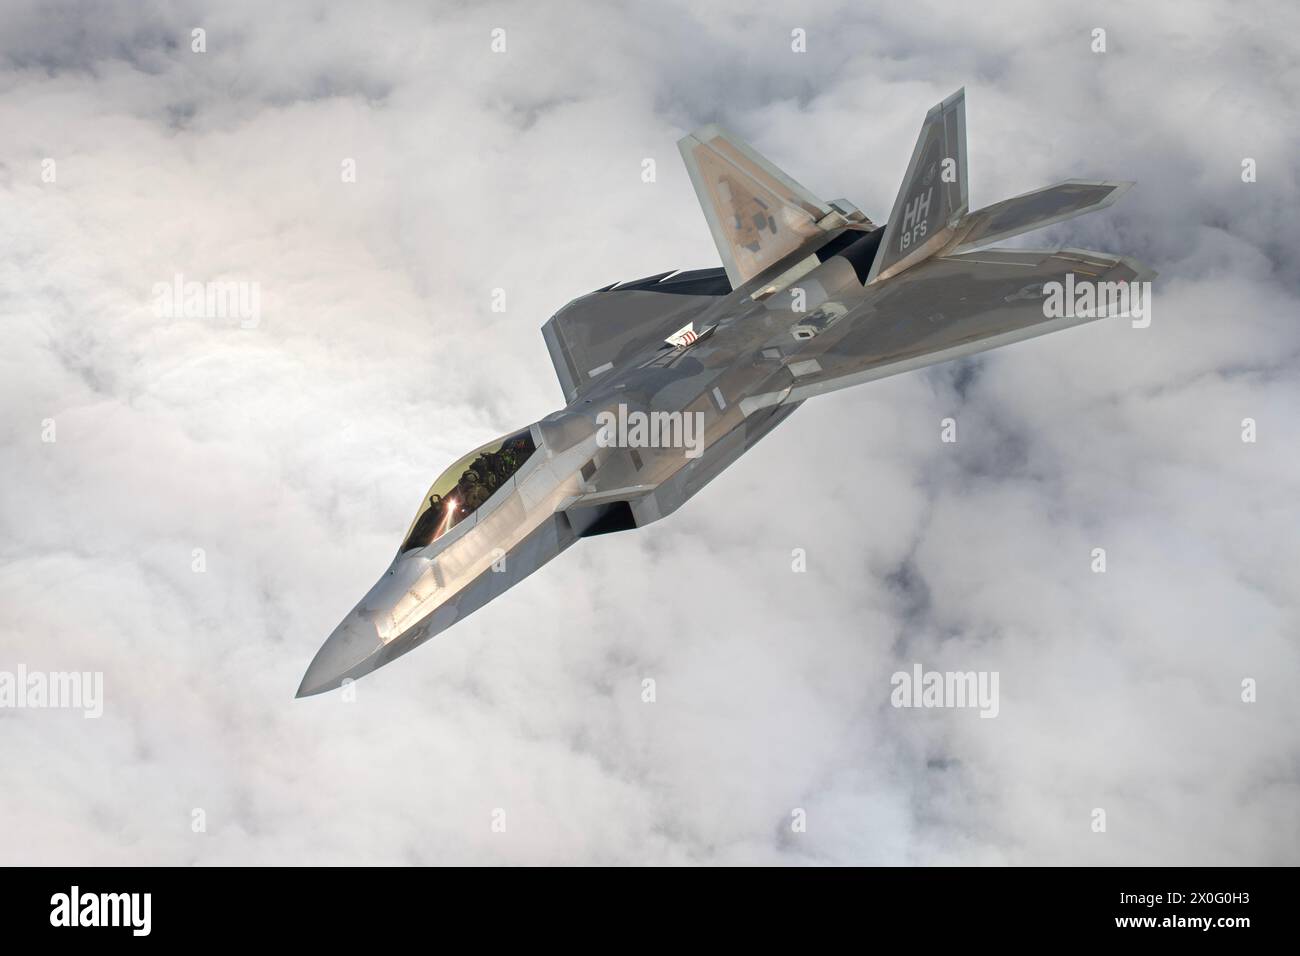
1034, 210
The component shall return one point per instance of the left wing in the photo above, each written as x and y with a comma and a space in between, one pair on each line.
953, 306
595, 334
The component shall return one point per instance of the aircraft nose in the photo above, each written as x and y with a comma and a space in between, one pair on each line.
349, 652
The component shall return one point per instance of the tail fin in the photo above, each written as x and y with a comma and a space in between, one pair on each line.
934, 194
757, 214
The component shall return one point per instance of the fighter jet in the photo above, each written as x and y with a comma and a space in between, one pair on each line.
671, 378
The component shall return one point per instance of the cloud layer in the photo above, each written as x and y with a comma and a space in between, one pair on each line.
294, 453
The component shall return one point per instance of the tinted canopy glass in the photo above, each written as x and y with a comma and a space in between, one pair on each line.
464, 487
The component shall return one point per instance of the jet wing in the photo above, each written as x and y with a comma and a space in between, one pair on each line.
599, 332
949, 307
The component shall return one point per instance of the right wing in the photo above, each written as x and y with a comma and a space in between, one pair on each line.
946, 308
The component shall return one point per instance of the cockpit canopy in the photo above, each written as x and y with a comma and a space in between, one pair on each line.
468, 484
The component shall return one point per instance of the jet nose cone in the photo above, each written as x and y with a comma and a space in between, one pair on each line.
349, 652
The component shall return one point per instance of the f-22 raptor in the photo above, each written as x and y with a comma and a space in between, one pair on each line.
671, 378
